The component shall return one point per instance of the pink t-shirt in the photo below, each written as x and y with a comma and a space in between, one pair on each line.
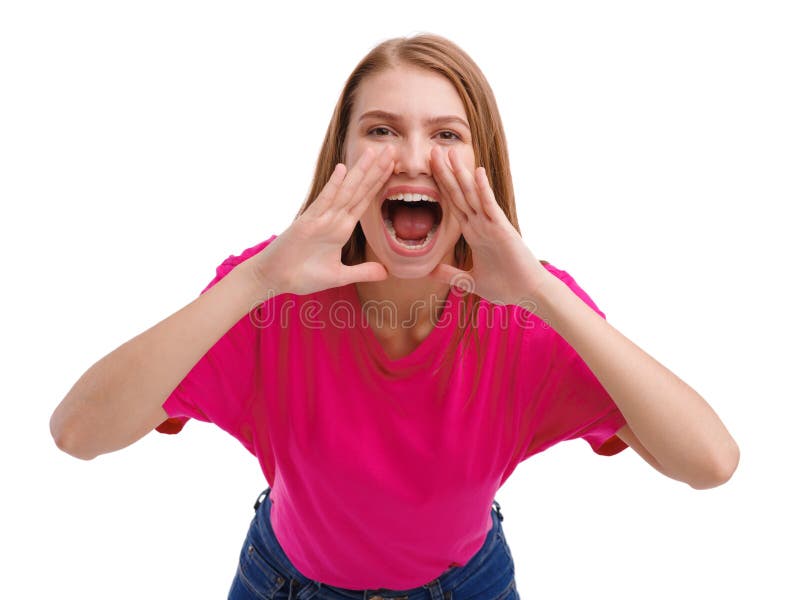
382, 471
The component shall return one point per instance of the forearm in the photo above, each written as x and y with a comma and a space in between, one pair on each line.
674, 423
118, 399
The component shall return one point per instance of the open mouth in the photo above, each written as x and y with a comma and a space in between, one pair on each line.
411, 222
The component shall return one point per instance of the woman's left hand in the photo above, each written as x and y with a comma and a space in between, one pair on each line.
504, 270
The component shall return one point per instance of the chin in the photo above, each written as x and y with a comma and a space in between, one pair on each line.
418, 271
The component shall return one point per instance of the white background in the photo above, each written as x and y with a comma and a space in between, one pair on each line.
654, 149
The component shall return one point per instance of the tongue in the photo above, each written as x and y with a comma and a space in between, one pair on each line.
412, 221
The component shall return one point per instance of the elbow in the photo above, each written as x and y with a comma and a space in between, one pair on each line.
722, 472
73, 450
66, 440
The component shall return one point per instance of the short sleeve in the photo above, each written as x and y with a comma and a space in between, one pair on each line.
571, 402
220, 385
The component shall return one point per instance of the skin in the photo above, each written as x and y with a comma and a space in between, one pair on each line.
416, 296
668, 423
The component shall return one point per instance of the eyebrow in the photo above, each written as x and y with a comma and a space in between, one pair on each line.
382, 114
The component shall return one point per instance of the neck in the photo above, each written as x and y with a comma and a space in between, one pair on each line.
402, 308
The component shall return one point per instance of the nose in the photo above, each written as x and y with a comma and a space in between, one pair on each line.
413, 156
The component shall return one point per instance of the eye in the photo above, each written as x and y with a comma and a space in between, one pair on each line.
454, 135
375, 129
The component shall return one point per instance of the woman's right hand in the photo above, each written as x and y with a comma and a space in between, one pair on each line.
307, 256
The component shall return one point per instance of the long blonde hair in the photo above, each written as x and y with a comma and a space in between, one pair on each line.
440, 55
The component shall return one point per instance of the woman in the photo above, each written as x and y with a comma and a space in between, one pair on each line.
383, 443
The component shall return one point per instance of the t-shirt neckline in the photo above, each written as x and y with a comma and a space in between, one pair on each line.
424, 349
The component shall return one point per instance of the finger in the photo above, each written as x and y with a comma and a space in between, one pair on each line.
367, 271
448, 183
364, 186
373, 179
354, 178
446, 178
456, 278
488, 200
461, 218
466, 181
443, 273
360, 206
325, 197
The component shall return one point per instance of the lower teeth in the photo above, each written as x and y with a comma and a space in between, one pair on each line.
411, 244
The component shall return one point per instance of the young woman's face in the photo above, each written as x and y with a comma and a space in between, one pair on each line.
414, 110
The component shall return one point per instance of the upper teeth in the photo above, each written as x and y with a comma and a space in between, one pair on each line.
411, 197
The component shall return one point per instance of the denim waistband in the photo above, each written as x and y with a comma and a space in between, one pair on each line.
449, 579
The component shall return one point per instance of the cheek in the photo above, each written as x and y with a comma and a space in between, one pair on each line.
467, 157
353, 153
353, 148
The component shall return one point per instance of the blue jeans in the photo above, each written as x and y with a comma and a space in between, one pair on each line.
265, 573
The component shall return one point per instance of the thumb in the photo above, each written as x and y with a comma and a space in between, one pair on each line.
368, 271
454, 277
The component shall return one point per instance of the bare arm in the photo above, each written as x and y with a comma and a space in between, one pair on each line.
118, 400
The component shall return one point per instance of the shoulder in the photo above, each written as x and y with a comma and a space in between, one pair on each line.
235, 259
570, 282
560, 273
229, 263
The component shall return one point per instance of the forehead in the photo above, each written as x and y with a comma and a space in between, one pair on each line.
411, 92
